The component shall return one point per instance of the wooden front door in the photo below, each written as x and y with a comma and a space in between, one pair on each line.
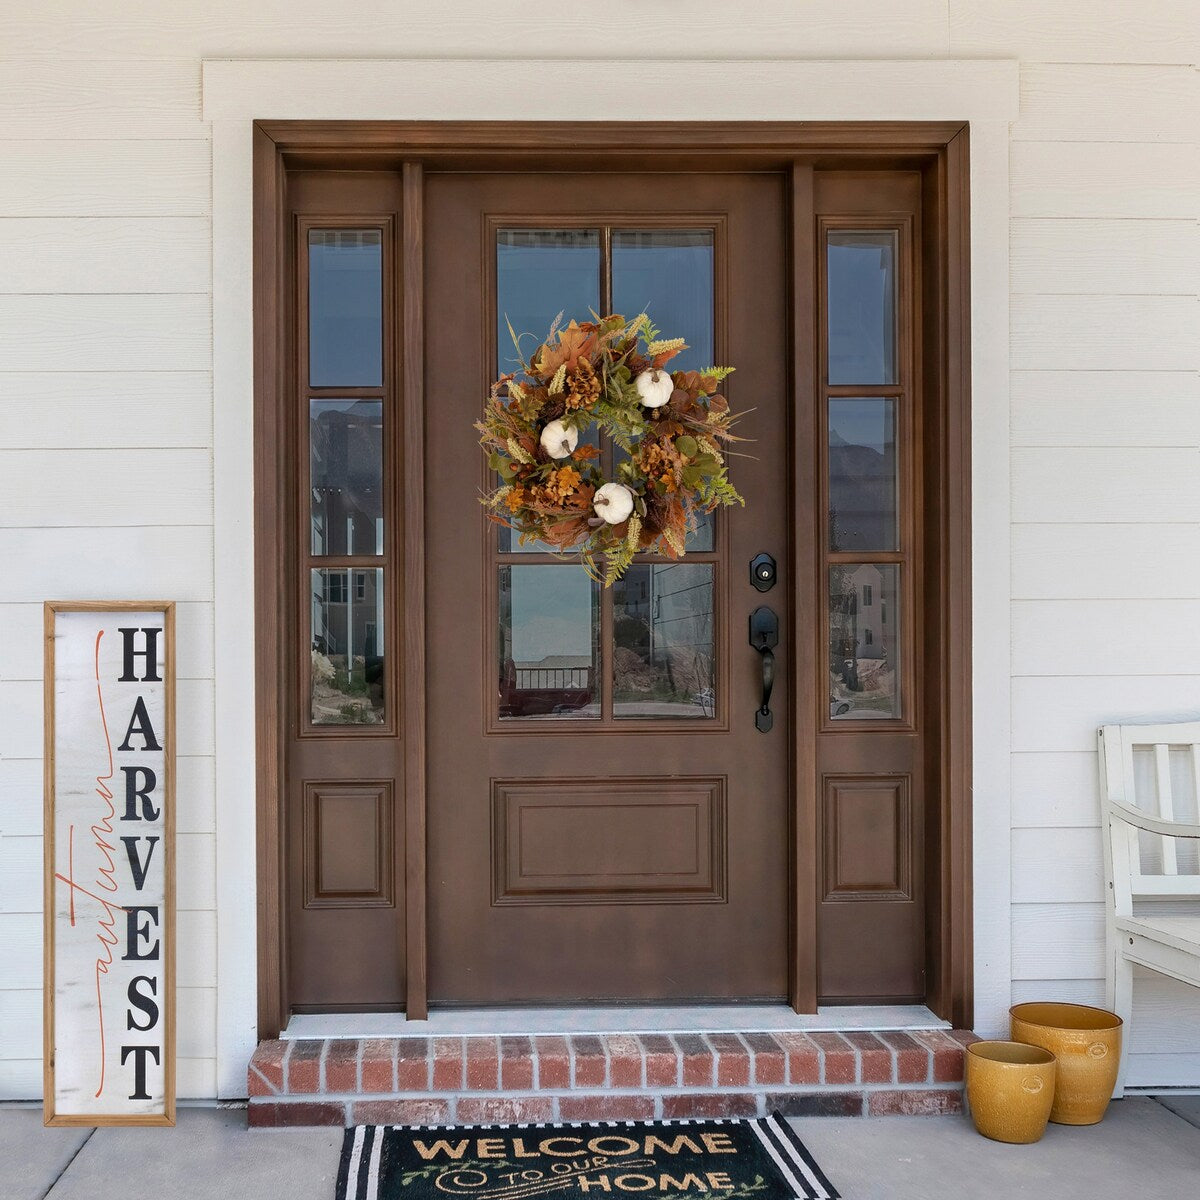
605, 821
603, 818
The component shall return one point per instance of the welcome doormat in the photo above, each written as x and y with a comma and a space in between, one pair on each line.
758, 1159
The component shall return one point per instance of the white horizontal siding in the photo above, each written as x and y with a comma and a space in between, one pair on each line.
80, 177
105, 201
1100, 179
105, 254
21, 731
195, 958
42, 488
1057, 941
1112, 561
1106, 333
105, 333
50, 96
1107, 484
1064, 712
1104, 257
119, 29
1070, 31
21, 647
150, 561
71, 410
1057, 866
1107, 102
1106, 408
21, 1029
1106, 637
21, 860
1055, 790
21, 787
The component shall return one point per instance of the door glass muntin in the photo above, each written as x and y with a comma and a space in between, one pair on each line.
690, 244
866, 464
344, 424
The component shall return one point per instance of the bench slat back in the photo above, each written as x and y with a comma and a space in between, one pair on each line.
1154, 768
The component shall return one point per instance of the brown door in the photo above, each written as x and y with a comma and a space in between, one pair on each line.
605, 821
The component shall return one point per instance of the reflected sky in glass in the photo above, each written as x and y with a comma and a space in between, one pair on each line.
862, 474
540, 273
862, 307
668, 273
345, 308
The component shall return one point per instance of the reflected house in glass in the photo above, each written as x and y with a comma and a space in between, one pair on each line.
347, 647
663, 641
863, 640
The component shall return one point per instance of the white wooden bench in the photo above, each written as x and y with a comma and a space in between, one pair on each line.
1148, 774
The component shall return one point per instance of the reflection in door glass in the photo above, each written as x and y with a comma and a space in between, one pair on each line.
861, 268
346, 457
864, 641
345, 308
346, 608
548, 642
540, 273
668, 273
663, 654
862, 475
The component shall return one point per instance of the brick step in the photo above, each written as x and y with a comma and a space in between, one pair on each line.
620, 1076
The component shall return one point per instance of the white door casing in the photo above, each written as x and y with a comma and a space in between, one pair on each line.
983, 92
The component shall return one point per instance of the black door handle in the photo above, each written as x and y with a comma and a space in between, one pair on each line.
764, 637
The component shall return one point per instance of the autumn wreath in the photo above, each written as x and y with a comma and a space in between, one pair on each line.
610, 374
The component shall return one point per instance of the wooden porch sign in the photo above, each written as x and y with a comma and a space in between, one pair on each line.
110, 863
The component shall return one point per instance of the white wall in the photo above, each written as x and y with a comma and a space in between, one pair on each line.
105, 318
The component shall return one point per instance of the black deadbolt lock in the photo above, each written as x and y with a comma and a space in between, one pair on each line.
763, 572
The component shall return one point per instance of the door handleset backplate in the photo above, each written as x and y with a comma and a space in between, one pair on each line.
764, 637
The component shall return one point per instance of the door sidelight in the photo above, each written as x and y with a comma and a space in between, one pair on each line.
764, 637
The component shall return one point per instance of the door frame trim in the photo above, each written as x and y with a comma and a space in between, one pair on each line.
790, 147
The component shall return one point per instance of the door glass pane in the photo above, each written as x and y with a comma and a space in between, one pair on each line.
548, 643
346, 461
347, 646
668, 273
664, 652
862, 475
861, 269
345, 308
540, 273
864, 637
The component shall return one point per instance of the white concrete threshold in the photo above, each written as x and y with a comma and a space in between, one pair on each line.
712, 1018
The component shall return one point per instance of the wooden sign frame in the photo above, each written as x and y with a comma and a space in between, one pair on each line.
148, 1003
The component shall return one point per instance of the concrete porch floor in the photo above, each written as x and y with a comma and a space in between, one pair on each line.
1141, 1148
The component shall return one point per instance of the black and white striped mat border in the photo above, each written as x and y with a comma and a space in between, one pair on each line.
358, 1173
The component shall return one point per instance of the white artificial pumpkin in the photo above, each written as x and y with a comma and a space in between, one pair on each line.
613, 502
654, 387
559, 440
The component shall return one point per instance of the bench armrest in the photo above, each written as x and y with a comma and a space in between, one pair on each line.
1142, 820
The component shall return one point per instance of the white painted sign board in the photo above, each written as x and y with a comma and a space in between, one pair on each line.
110, 863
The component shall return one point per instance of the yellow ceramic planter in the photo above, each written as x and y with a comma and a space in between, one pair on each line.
1087, 1044
1010, 1088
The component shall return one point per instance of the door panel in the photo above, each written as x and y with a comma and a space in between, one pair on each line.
605, 822
343, 798
870, 753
